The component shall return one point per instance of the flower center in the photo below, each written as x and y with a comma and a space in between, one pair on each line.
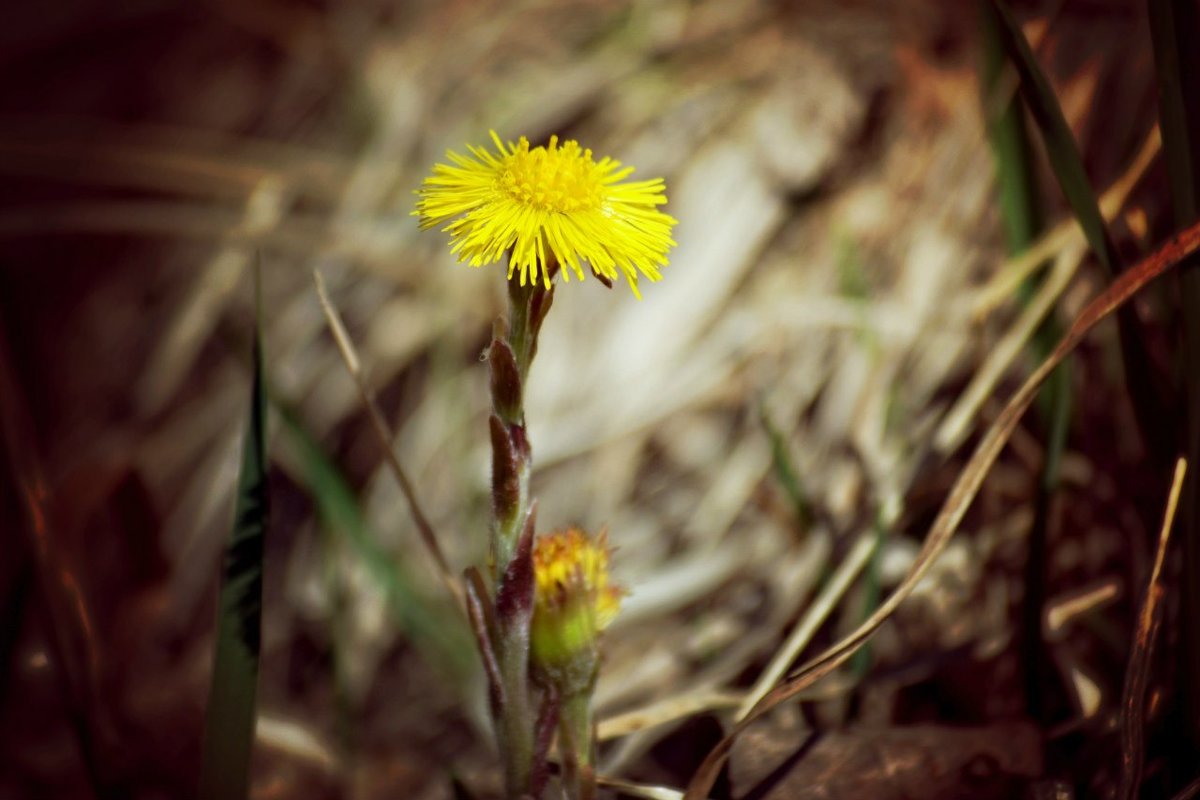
551, 178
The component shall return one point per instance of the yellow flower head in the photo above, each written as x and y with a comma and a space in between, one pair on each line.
548, 203
573, 600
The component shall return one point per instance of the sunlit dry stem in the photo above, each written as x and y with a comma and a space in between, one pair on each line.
1001, 285
386, 437
1133, 704
818, 611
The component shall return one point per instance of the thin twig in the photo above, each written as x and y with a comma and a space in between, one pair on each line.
384, 432
1133, 704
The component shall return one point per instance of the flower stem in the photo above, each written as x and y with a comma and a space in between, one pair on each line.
515, 727
513, 348
520, 335
575, 740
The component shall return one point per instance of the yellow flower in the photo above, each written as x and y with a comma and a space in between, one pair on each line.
573, 600
548, 204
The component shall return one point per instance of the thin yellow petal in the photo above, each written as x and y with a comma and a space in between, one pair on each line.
548, 202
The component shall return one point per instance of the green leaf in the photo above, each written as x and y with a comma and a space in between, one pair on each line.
1056, 135
229, 725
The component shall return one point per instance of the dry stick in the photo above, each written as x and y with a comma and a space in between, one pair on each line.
1133, 704
384, 432
1124, 287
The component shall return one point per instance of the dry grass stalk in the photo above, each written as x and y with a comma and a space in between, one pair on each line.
841, 580
1004, 283
386, 437
1137, 675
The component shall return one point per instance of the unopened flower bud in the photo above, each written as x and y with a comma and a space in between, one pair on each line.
573, 603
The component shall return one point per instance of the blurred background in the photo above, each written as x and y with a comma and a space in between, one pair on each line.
777, 420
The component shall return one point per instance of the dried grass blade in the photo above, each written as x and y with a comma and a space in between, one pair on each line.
384, 431
643, 790
958, 421
1133, 702
965, 488
1001, 286
841, 580
664, 711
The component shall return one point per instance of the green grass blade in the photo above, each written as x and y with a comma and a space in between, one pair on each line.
435, 628
785, 471
229, 725
852, 278
1022, 219
1061, 149
860, 664
1147, 388
1005, 120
